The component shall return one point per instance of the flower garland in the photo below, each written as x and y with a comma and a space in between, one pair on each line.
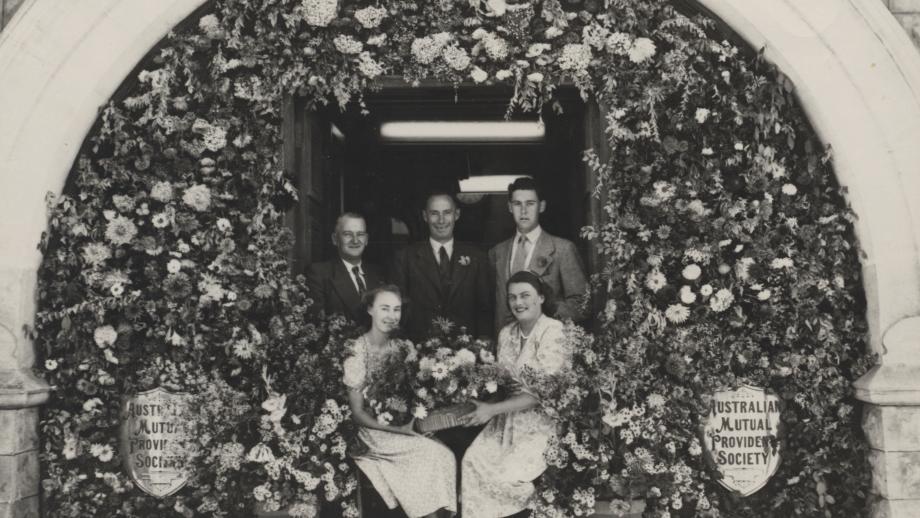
727, 257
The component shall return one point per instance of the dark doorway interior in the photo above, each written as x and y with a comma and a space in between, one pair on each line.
345, 164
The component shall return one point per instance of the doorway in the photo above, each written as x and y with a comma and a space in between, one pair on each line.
380, 161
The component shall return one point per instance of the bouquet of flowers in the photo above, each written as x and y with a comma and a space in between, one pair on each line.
453, 369
388, 385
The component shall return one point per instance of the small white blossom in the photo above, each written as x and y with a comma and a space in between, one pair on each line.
105, 336
790, 189
701, 115
479, 75
642, 49
692, 272
535, 77
370, 17
319, 12
677, 313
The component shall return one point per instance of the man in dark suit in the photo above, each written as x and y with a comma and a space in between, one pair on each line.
441, 277
553, 258
336, 286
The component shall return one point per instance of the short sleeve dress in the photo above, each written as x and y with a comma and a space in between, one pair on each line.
500, 466
412, 471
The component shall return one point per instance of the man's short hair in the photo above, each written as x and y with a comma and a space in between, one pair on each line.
348, 215
524, 183
440, 192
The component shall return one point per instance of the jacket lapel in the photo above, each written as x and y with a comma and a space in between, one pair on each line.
341, 281
427, 264
457, 270
542, 254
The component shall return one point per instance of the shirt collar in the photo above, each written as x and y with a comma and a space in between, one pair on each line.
349, 266
436, 246
532, 236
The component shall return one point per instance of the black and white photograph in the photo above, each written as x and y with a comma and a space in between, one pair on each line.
459, 258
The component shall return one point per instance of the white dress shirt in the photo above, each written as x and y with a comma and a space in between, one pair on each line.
436, 248
532, 237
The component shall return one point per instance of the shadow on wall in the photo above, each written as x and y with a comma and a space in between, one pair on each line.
7, 10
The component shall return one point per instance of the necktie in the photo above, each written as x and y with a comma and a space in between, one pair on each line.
361, 286
520, 256
443, 262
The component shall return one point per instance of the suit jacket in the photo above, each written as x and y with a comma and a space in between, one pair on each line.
465, 298
333, 291
557, 263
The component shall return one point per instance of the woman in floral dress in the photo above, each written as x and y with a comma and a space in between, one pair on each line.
500, 466
406, 469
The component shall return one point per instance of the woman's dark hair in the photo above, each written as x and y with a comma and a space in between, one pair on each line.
528, 277
368, 298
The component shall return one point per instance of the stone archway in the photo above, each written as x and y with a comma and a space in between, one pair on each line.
858, 79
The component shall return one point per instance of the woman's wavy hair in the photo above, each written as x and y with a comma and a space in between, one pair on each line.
526, 276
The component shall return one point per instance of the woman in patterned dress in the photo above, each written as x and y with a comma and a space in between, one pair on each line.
498, 469
406, 469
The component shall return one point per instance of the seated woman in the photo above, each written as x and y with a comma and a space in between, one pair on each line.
500, 466
408, 469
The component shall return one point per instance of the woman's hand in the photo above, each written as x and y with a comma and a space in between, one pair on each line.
480, 416
407, 429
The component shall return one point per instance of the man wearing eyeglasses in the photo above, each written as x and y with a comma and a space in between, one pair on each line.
336, 286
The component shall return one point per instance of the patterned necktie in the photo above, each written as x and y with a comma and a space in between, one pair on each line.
520, 256
361, 286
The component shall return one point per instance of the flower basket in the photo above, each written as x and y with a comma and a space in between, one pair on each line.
444, 418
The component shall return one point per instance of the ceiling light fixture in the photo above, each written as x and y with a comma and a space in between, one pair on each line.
462, 131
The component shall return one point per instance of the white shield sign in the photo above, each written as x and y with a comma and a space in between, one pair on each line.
741, 437
152, 433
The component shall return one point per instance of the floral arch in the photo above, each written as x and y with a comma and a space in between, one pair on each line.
34, 140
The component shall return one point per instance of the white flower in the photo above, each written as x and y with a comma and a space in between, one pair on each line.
764, 295
677, 313
706, 290
536, 49
641, 50
370, 17
655, 280
701, 115
790, 189
420, 412
368, 66
347, 45
174, 266
739, 146
496, 47
781, 262
439, 371
456, 57
610, 310
496, 7
721, 301
618, 43
276, 406
319, 12
535, 77
209, 25
197, 197
215, 138
223, 224
692, 272
70, 448
479, 75
724, 268
655, 400
183, 247
575, 57
465, 356
687, 296
105, 336
96, 253
260, 453
120, 230
51, 364
117, 289
707, 151
91, 404
664, 191
160, 220
377, 40
491, 387
176, 339
503, 74
479, 33
385, 418
425, 50
743, 268
553, 32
